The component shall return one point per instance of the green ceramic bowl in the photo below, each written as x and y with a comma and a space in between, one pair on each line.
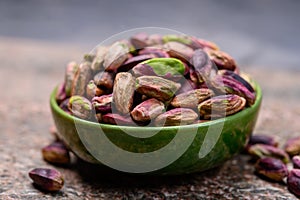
158, 150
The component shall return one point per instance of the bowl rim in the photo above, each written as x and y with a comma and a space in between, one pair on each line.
257, 88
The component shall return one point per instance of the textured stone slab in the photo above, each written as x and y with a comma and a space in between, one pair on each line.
25, 84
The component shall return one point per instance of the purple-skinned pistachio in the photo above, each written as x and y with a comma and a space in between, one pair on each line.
168, 68
176, 117
81, 79
237, 77
116, 55
133, 61
208, 44
46, 179
91, 89
65, 106
202, 70
123, 92
221, 106
155, 39
192, 98
221, 59
117, 119
70, 72
156, 87
104, 80
139, 40
56, 153
229, 85
102, 104
292, 146
97, 63
271, 168
61, 93
158, 52
184, 39
142, 40
147, 110
179, 50
262, 151
293, 182
80, 107
263, 139
296, 161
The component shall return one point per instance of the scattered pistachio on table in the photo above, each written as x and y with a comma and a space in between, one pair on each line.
272, 160
56, 153
296, 161
271, 168
263, 139
262, 151
293, 182
46, 179
292, 146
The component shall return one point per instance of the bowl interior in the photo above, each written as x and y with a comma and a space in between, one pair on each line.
165, 150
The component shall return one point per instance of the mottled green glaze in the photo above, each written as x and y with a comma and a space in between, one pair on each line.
234, 136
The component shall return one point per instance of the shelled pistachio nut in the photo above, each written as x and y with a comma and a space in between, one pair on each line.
292, 146
263, 139
176, 117
202, 67
191, 99
184, 39
81, 79
80, 107
158, 52
229, 85
293, 181
123, 92
102, 104
91, 89
156, 87
56, 153
97, 63
117, 119
133, 61
271, 168
47, 179
70, 72
207, 44
168, 68
148, 110
104, 80
296, 161
179, 50
140, 40
237, 77
221, 59
221, 106
262, 151
116, 55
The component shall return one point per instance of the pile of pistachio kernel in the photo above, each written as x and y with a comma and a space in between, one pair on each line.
159, 80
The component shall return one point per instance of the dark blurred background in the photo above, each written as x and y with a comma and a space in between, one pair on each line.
257, 32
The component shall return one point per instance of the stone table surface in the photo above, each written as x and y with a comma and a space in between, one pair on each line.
29, 71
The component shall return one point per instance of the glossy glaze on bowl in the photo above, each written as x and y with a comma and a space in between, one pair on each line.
235, 132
